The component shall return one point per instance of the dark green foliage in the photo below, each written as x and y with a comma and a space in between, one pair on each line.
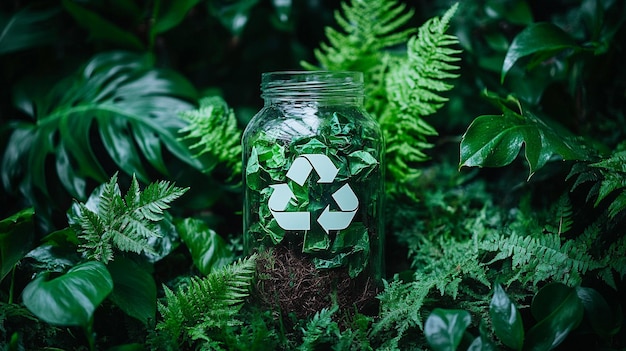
16, 239
538, 90
444, 328
608, 177
27, 28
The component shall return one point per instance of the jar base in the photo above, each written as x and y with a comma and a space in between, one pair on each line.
290, 283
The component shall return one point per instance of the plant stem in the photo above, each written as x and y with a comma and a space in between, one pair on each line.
90, 335
12, 286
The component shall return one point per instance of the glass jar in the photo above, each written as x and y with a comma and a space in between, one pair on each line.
313, 192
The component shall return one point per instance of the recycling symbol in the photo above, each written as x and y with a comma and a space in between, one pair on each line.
299, 172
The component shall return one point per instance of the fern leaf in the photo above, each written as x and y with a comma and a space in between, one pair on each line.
207, 304
92, 229
213, 129
319, 329
583, 174
155, 198
109, 204
130, 241
414, 88
542, 258
618, 205
368, 28
400, 90
123, 224
400, 307
608, 177
614, 260
564, 215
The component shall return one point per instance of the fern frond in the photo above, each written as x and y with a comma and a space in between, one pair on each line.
109, 205
563, 216
319, 329
93, 233
400, 89
400, 308
542, 258
414, 87
213, 129
123, 224
155, 199
367, 27
583, 174
367, 32
199, 310
615, 261
608, 177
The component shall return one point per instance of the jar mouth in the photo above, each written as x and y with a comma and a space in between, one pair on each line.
311, 83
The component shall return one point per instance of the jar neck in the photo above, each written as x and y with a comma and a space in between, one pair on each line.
312, 87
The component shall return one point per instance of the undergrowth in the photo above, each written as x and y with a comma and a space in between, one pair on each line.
462, 235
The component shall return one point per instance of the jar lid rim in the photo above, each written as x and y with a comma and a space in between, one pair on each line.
284, 82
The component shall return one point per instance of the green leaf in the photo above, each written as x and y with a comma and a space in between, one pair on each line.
601, 316
208, 250
116, 95
480, 343
516, 11
558, 310
233, 15
134, 289
27, 28
495, 141
506, 320
315, 241
101, 28
362, 161
170, 14
444, 329
253, 168
17, 234
536, 38
70, 299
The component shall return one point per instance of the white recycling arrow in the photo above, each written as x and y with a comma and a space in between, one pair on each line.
293, 220
348, 202
303, 165
280, 197
278, 202
299, 172
346, 198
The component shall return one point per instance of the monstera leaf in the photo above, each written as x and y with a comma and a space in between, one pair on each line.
116, 110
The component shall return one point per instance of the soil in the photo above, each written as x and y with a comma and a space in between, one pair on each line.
289, 283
